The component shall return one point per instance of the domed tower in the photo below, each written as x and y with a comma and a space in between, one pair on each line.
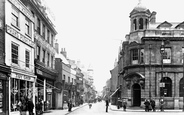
139, 17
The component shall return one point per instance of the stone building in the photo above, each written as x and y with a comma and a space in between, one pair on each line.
151, 61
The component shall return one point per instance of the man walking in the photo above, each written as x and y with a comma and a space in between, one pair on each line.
107, 104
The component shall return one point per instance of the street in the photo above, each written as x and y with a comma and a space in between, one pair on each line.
99, 109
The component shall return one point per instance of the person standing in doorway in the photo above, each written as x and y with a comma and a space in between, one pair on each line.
30, 107
107, 104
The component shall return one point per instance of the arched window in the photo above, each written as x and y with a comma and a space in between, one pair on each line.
166, 89
135, 24
181, 89
140, 23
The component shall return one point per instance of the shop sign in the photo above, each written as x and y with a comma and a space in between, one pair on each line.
22, 8
22, 77
19, 36
39, 72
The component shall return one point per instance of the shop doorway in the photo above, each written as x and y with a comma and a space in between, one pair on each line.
136, 88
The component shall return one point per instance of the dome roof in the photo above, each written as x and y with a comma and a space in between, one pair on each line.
140, 7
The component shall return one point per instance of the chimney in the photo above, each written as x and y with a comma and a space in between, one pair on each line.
153, 17
63, 52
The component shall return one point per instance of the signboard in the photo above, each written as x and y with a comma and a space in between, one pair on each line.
162, 84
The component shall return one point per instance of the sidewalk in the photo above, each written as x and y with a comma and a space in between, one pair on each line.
138, 109
62, 112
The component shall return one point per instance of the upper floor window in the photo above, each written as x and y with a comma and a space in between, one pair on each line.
15, 17
27, 55
43, 31
167, 55
28, 27
141, 23
52, 61
68, 79
52, 39
182, 55
43, 57
134, 56
48, 59
135, 24
38, 26
64, 77
15, 52
142, 56
48, 36
38, 52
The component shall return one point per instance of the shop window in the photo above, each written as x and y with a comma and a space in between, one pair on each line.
135, 24
27, 58
167, 55
20, 90
28, 27
181, 87
141, 23
14, 51
166, 89
15, 17
134, 56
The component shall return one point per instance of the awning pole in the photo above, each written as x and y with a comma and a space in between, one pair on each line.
44, 91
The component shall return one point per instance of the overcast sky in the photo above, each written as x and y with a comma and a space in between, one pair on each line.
91, 30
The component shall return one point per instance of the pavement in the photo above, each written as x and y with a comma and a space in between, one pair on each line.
139, 109
64, 111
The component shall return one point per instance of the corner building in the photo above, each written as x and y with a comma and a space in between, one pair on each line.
151, 61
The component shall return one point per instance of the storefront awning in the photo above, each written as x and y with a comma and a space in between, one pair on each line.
114, 92
49, 86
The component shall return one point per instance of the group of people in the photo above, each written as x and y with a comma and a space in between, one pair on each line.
25, 105
150, 105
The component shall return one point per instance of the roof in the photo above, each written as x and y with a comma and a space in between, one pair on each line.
62, 57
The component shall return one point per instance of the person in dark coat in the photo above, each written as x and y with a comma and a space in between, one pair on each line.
161, 104
147, 105
124, 104
69, 105
30, 107
152, 102
107, 104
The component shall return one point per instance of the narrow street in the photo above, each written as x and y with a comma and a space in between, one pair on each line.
99, 109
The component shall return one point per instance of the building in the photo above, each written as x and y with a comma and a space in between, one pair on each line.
44, 37
151, 62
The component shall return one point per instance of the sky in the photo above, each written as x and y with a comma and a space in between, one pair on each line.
92, 30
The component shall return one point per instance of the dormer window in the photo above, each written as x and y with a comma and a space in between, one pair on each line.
141, 23
135, 24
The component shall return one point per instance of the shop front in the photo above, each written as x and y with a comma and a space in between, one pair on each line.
22, 87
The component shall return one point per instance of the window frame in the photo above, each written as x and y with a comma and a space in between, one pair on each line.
167, 55
15, 61
28, 27
15, 17
134, 56
27, 59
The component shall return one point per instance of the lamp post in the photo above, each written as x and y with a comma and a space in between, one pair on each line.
162, 51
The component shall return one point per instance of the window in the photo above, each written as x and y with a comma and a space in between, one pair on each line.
52, 38
48, 59
141, 23
15, 17
52, 60
146, 23
135, 24
14, 50
134, 56
27, 58
48, 36
181, 91
142, 56
28, 27
38, 52
64, 77
167, 55
182, 55
68, 79
43, 31
166, 91
72, 81
38, 25
43, 57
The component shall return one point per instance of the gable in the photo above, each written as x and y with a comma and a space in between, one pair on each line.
164, 25
180, 25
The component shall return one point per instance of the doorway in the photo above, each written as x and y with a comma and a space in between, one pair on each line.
136, 88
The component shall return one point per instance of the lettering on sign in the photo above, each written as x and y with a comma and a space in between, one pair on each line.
19, 36
22, 8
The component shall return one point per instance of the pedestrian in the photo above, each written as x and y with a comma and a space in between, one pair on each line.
90, 104
119, 103
107, 104
161, 104
124, 104
152, 102
30, 107
23, 105
69, 105
147, 105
